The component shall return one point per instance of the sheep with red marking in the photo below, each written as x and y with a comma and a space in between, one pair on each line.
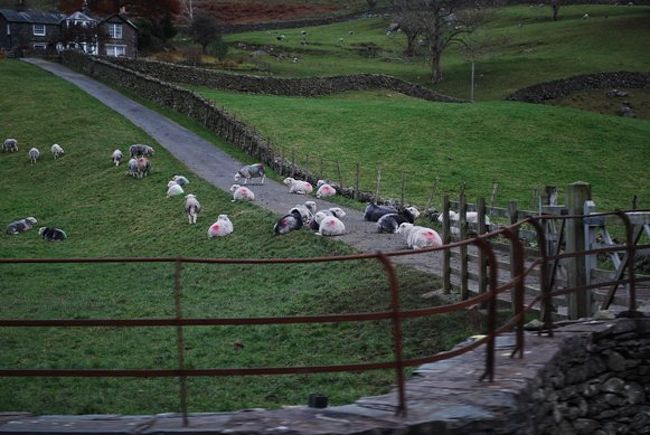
221, 228
298, 186
329, 226
324, 189
417, 237
241, 193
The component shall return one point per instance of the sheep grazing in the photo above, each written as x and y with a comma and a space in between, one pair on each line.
417, 237
34, 153
144, 167
57, 150
287, 223
174, 190
298, 186
133, 168
251, 171
117, 157
192, 208
318, 217
330, 226
20, 226
324, 189
180, 180
389, 223
222, 227
374, 212
139, 149
241, 193
52, 234
10, 146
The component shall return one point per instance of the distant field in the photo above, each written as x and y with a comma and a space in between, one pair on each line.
107, 213
521, 146
529, 48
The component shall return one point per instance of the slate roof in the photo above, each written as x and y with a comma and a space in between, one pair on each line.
38, 17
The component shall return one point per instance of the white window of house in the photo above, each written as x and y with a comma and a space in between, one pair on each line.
115, 30
115, 50
39, 29
8, 29
40, 46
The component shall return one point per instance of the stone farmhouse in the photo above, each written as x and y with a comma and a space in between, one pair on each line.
34, 31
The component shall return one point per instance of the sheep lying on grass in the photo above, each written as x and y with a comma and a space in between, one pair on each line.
174, 190
287, 223
324, 190
57, 150
10, 145
251, 171
241, 193
117, 157
374, 212
180, 180
20, 226
222, 227
34, 153
389, 223
192, 208
298, 186
52, 234
334, 211
417, 237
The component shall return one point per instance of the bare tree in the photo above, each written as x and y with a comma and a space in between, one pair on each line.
555, 5
443, 22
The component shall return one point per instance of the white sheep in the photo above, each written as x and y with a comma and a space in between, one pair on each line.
417, 237
33, 155
117, 157
180, 180
222, 227
241, 193
174, 190
470, 216
298, 186
330, 226
192, 208
133, 167
324, 189
57, 150
10, 145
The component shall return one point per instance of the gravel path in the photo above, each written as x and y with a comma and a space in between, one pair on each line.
218, 168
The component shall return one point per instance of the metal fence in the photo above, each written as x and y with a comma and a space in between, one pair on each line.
395, 314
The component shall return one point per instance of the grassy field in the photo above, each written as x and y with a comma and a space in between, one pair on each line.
528, 48
107, 213
520, 146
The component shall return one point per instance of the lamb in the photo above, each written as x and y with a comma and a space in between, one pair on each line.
417, 237
57, 150
174, 190
324, 189
389, 223
331, 226
10, 145
192, 208
117, 157
139, 149
20, 226
180, 180
374, 212
52, 234
287, 223
144, 167
241, 193
222, 227
318, 217
33, 155
298, 186
133, 168
251, 171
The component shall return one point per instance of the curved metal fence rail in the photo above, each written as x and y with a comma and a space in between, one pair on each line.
395, 314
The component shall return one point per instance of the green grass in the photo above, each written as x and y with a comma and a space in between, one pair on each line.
531, 49
107, 213
520, 146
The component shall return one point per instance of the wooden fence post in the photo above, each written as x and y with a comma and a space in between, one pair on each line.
483, 261
402, 189
282, 161
493, 197
338, 170
434, 186
378, 183
446, 239
514, 216
579, 302
464, 272
321, 175
356, 181
293, 163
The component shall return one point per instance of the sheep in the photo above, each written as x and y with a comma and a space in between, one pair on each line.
585, 17
192, 208
222, 227
180, 180
470, 216
10, 145
374, 212
417, 237
241, 193
389, 223
144, 167
139, 149
20, 226
251, 171
318, 217
117, 157
51, 234
305, 210
311, 206
331, 226
287, 223
324, 189
34, 153
57, 150
174, 190
280, 37
298, 186
133, 168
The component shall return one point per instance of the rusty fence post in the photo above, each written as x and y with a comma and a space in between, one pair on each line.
180, 342
397, 331
546, 286
446, 239
517, 270
464, 266
482, 259
485, 247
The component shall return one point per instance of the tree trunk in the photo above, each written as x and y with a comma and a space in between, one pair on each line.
410, 44
436, 71
556, 9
